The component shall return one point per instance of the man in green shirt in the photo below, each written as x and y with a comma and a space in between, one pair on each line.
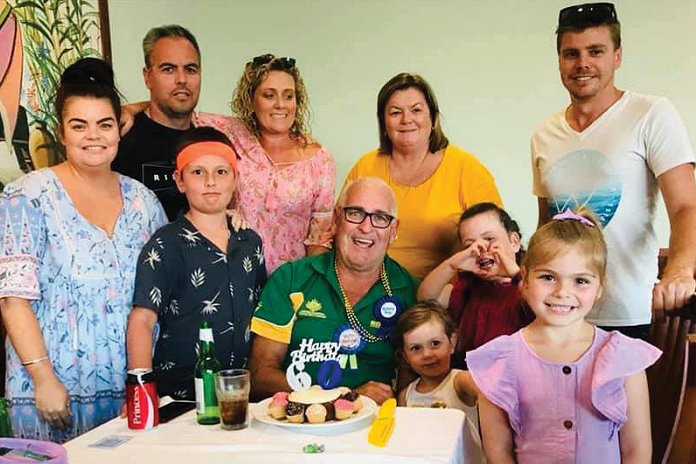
326, 319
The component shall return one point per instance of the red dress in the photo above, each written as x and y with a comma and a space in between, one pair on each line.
484, 310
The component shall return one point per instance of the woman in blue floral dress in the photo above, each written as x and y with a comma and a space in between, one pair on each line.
69, 241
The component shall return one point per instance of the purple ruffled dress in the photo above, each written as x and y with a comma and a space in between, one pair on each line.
562, 412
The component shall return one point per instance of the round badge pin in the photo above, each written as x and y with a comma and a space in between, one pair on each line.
387, 310
348, 339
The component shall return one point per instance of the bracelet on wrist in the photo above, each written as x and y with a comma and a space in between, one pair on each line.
35, 361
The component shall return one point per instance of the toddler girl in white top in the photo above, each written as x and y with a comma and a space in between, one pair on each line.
425, 338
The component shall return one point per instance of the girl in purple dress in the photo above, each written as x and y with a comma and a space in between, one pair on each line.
562, 390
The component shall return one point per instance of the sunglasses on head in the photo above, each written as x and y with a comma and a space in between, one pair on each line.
587, 14
281, 63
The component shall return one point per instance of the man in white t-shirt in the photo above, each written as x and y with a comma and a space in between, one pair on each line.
614, 151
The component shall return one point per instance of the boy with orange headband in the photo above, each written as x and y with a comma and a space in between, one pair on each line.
196, 268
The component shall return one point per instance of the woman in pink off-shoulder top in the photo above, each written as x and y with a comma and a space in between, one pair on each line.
286, 189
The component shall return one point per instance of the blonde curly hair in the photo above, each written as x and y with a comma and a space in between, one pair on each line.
254, 74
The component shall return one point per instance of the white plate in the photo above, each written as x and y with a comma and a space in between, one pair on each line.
362, 417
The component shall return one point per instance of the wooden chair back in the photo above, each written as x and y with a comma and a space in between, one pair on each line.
667, 379
684, 447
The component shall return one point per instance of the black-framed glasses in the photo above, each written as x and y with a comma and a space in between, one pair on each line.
587, 14
283, 63
356, 215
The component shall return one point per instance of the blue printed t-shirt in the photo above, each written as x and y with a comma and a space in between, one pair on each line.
185, 278
302, 306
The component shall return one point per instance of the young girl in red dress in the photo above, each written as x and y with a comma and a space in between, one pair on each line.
484, 299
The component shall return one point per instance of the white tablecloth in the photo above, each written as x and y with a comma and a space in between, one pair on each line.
420, 436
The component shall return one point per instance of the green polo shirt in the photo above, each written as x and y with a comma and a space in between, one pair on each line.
301, 305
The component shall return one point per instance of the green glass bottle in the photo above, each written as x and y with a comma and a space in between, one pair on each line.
204, 378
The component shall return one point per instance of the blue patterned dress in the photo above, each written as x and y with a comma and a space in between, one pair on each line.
80, 284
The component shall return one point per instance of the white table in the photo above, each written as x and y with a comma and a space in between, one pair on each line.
420, 436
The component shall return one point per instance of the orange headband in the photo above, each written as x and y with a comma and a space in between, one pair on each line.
198, 149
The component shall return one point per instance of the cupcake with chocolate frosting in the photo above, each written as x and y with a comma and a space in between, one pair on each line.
295, 412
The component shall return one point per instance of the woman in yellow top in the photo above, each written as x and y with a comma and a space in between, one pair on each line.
434, 181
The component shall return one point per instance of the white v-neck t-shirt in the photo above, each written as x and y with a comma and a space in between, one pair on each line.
612, 167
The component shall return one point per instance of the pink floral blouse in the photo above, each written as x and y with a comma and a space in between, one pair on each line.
290, 204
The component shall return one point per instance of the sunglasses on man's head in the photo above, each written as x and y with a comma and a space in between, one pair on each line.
588, 14
282, 63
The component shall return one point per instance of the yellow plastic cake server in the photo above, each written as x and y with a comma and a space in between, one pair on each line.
383, 425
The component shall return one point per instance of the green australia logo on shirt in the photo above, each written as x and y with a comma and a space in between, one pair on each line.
312, 309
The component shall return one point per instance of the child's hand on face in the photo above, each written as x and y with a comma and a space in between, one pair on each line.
467, 259
486, 260
507, 266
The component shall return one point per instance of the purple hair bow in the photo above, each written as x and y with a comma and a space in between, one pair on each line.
570, 215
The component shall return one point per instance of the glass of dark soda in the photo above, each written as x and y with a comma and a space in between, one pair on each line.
232, 389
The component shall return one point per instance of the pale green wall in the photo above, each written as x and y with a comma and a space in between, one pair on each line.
492, 65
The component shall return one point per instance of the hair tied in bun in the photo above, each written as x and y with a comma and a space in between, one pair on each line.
88, 77
89, 70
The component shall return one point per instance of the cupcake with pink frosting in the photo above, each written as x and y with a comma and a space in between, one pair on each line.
343, 408
276, 408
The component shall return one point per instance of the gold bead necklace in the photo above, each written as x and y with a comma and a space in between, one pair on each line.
352, 317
